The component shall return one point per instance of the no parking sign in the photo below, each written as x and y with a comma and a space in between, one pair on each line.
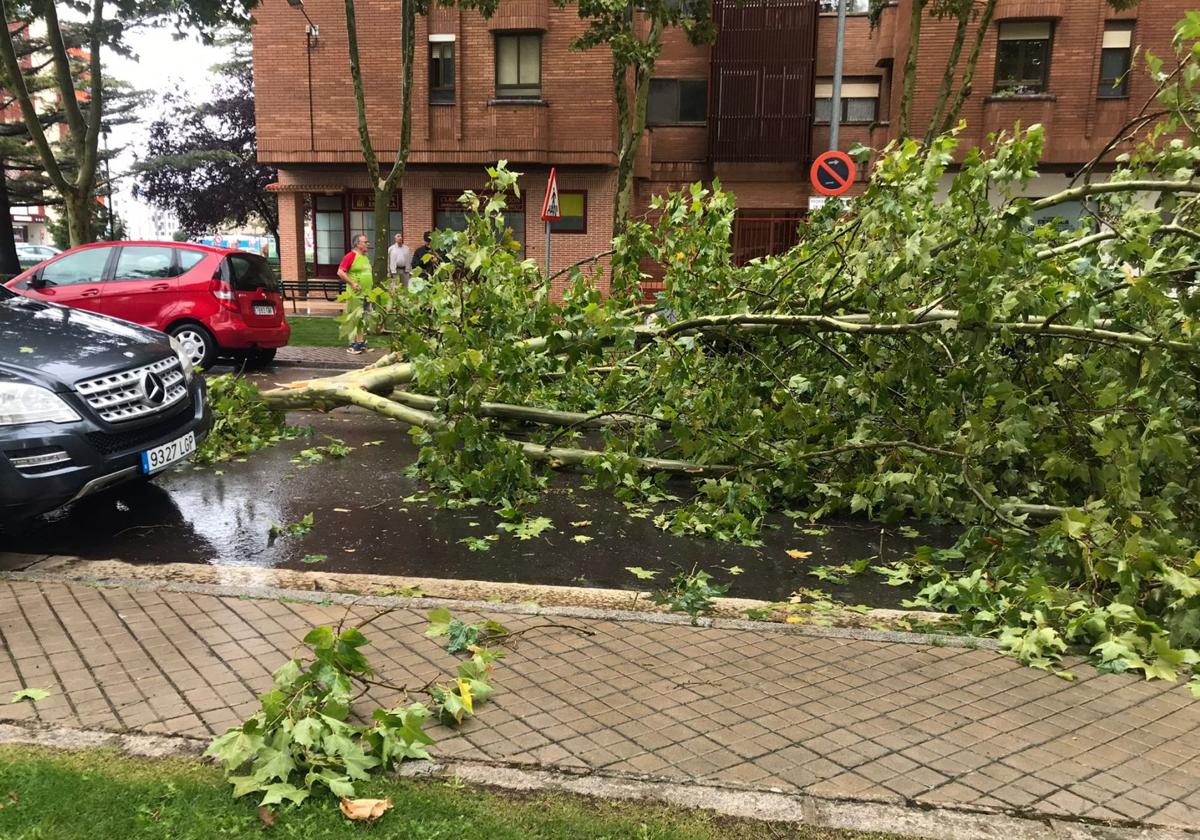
832, 173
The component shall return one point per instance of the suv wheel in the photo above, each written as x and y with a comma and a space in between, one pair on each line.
198, 344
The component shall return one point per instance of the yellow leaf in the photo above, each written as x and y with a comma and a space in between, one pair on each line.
464, 690
796, 554
795, 619
582, 523
365, 809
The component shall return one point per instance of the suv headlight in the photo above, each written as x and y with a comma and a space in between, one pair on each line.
20, 403
184, 362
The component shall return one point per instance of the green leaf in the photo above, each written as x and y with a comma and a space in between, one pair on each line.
32, 694
275, 794
314, 558
439, 622
640, 573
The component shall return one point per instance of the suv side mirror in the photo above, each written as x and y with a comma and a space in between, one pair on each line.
36, 281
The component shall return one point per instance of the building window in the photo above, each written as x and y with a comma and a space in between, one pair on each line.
450, 214
677, 102
572, 205
329, 222
1023, 57
860, 102
1115, 59
853, 7
441, 72
362, 218
519, 66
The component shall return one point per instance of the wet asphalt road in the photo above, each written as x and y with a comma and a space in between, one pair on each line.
223, 515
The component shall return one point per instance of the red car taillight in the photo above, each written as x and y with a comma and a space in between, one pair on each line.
224, 293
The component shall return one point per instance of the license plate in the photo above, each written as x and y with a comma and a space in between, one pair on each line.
264, 309
161, 457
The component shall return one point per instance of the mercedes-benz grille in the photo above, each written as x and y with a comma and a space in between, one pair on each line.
135, 393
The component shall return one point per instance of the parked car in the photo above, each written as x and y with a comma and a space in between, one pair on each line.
217, 302
87, 402
29, 254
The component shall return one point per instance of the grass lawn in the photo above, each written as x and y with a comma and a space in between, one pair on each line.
100, 794
314, 332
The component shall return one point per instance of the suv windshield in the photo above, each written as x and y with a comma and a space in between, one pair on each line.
248, 272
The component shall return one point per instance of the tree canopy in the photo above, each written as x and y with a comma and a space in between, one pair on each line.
201, 161
949, 357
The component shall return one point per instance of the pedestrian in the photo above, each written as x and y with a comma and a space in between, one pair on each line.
355, 271
400, 258
425, 258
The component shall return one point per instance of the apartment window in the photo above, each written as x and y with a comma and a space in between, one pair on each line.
519, 66
441, 71
572, 204
677, 102
860, 102
1023, 57
1115, 59
853, 7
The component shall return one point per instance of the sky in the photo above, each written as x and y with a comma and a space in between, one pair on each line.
161, 63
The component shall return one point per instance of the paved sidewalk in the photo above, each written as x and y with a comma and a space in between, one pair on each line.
745, 708
324, 357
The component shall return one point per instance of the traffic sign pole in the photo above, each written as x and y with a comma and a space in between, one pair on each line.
551, 212
835, 116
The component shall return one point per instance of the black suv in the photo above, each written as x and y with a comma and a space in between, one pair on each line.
87, 402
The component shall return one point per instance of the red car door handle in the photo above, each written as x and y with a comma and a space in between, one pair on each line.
89, 293
160, 287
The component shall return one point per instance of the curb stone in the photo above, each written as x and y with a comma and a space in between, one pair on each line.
762, 806
589, 613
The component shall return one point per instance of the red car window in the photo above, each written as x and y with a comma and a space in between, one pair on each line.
143, 263
86, 266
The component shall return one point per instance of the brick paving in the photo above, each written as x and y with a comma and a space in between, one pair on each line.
754, 709
324, 357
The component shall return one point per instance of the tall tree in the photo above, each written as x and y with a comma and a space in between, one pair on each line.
385, 185
82, 98
202, 158
633, 30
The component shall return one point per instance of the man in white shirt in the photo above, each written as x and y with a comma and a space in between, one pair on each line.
400, 260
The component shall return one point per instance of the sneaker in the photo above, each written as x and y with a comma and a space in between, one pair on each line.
354, 350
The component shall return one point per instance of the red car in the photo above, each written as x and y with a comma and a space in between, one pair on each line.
215, 301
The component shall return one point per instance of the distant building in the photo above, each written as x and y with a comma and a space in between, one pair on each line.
752, 109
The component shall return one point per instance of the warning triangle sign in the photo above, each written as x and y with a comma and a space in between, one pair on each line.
550, 209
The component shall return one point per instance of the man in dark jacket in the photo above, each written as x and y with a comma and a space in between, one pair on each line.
425, 257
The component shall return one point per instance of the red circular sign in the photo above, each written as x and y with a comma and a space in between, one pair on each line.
832, 173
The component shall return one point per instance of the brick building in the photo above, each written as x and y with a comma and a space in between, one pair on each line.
749, 109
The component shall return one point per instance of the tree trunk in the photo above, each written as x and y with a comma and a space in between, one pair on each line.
383, 201
9, 264
968, 77
910, 68
960, 37
635, 126
79, 219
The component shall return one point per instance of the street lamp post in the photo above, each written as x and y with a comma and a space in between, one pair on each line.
104, 130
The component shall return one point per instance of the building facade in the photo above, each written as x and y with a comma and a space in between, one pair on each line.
750, 109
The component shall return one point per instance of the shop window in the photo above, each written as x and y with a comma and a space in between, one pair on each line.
449, 214
1023, 57
362, 218
1116, 57
572, 204
329, 222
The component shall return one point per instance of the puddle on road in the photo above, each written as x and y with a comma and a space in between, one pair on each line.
198, 516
